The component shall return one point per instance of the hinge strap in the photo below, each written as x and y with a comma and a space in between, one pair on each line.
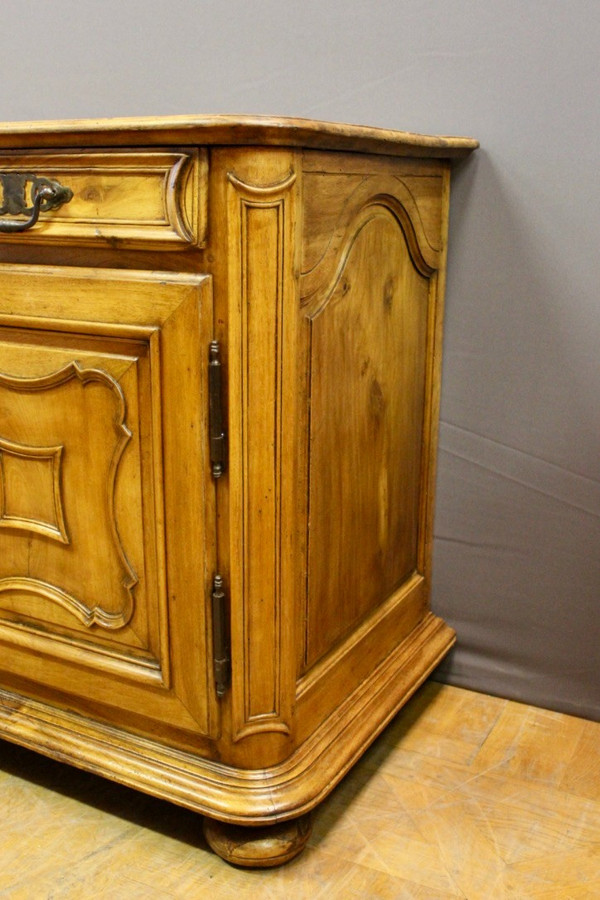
218, 441
220, 618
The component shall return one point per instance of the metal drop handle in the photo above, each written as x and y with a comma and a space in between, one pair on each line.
46, 194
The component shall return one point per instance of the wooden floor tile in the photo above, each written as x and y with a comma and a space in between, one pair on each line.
582, 775
463, 796
513, 747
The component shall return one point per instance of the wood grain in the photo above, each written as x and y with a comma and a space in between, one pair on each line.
367, 347
320, 272
232, 130
79, 615
261, 210
132, 199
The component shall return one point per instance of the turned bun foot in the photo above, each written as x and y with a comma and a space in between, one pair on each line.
260, 847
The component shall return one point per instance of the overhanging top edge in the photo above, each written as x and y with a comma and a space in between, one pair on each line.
232, 130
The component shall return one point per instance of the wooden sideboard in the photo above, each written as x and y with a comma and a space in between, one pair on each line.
220, 344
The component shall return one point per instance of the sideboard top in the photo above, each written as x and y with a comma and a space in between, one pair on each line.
226, 129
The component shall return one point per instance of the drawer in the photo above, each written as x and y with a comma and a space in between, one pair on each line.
155, 199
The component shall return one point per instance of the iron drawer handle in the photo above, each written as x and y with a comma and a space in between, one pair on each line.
45, 194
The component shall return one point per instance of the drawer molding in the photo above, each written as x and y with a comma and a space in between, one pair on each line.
136, 199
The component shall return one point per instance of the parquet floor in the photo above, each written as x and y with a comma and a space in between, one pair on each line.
464, 795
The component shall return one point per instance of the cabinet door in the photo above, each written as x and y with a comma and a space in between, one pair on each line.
105, 494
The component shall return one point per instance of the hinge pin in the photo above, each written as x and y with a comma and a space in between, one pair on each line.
220, 617
216, 429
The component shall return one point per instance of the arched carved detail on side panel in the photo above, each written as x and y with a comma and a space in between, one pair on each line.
373, 193
316, 293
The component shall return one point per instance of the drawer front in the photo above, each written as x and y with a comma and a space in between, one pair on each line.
136, 199
105, 562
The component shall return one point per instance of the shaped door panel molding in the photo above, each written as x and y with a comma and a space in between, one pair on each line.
27, 501
50, 406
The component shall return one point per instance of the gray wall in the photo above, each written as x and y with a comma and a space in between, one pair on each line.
517, 554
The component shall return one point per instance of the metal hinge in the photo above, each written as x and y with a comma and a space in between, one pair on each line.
218, 441
220, 620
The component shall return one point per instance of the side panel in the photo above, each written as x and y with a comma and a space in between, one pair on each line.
373, 241
367, 363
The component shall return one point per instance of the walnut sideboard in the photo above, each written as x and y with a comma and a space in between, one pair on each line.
220, 345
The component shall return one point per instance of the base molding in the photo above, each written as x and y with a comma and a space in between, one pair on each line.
259, 797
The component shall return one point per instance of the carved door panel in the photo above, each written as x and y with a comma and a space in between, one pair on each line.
105, 493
